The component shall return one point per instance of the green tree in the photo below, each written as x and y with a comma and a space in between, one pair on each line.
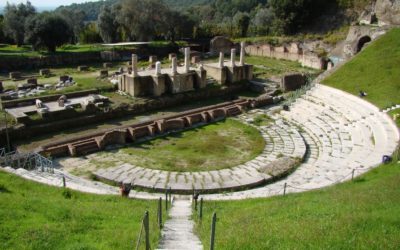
242, 21
15, 17
47, 30
143, 19
90, 34
75, 19
108, 25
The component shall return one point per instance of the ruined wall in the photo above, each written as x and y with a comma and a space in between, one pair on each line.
292, 52
98, 141
388, 12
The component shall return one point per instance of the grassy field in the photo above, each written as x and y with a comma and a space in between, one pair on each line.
363, 214
375, 70
36, 216
215, 146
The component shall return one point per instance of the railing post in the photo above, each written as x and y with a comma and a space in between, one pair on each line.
195, 204
159, 214
214, 220
166, 200
284, 189
170, 195
64, 182
352, 174
146, 229
201, 209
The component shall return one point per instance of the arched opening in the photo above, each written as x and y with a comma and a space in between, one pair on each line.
363, 40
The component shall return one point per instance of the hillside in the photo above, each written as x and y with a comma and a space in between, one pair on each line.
92, 9
375, 70
36, 216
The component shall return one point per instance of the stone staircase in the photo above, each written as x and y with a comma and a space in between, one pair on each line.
178, 232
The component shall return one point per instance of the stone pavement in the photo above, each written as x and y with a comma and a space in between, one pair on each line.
342, 133
177, 232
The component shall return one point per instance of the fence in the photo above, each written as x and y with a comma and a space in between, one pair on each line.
27, 161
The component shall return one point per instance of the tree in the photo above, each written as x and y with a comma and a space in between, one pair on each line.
90, 34
143, 19
107, 25
15, 17
75, 19
178, 25
242, 21
263, 20
47, 30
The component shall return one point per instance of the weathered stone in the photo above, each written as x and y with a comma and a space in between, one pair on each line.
64, 78
171, 55
44, 72
83, 68
15, 75
103, 73
388, 12
196, 59
293, 81
152, 59
107, 65
221, 44
32, 81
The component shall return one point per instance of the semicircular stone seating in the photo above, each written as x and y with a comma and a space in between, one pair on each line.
342, 132
282, 140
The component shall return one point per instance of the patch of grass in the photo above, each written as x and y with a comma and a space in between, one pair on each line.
268, 67
355, 215
262, 120
36, 216
395, 114
374, 70
214, 146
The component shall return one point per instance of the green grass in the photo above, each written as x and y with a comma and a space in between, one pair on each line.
375, 70
269, 67
363, 214
36, 216
215, 146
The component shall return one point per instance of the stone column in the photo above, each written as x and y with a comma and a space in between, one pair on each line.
174, 66
158, 68
187, 60
242, 53
221, 59
134, 65
233, 55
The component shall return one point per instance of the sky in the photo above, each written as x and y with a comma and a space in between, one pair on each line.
46, 3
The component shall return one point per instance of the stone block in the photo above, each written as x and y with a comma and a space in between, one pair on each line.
64, 78
107, 65
293, 81
44, 72
103, 73
171, 55
32, 81
83, 68
221, 44
15, 75
152, 59
196, 59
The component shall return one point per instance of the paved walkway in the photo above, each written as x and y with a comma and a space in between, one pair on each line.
177, 232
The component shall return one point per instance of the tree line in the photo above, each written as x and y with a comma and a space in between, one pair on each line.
143, 20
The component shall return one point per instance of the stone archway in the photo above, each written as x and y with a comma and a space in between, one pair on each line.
362, 41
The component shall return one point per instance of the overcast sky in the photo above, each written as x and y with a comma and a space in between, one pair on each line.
46, 3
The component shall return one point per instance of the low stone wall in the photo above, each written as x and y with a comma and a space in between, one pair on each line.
291, 52
124, 134
17, 62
